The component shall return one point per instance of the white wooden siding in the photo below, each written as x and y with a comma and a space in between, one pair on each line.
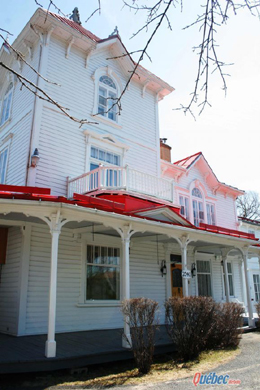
9, 283
20, 125
145, 276
62, 143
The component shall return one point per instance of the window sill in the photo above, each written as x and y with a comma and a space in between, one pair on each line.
107, 121
99, 304
5, 124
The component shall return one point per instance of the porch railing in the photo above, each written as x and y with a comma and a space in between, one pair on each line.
121, 178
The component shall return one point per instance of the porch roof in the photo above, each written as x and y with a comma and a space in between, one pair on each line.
123, 204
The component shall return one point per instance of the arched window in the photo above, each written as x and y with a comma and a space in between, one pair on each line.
107, 94
6, 104
198, 207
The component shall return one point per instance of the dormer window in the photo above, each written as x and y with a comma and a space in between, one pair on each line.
6, 104
107, 97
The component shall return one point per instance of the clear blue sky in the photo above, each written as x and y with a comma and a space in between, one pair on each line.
228, 133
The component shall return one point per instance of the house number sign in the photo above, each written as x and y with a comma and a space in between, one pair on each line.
186, 274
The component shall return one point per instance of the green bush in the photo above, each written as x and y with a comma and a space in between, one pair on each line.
141, 314
189, 321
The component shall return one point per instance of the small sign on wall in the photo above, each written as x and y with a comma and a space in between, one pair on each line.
186, 274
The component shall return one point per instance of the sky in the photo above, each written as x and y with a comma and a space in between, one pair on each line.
227, 132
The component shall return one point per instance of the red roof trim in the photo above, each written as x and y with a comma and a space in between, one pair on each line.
25, 189
230, 232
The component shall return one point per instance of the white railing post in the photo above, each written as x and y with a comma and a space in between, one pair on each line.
126, 183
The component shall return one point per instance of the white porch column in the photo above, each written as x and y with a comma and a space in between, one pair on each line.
251, 321
224, 258
184, 244
126, 233
243, 281
55, 228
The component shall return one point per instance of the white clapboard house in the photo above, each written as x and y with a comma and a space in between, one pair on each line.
120, 220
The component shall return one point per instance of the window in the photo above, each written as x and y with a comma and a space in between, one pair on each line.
107, 94
184, 203
3, 165
104, 156
256, 287
204, 278
197, 204
103, 273
6, 104
230, 279
211, 214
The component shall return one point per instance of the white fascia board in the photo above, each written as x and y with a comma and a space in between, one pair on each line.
78, 213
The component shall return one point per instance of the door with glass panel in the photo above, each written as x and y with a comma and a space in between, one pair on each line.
204, 278
176, 270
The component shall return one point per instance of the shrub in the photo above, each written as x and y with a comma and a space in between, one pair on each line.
189, 321
227, 326
257, 306
141, 314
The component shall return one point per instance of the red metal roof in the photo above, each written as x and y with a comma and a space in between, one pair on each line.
76, 26
188, 161
125, 205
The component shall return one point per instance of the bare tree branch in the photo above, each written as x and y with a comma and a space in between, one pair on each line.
46, 97
248, 205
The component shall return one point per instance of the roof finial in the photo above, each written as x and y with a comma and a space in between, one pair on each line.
75, 16
115, 32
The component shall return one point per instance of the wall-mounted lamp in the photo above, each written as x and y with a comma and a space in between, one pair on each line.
193, 269
35, 158
163, 268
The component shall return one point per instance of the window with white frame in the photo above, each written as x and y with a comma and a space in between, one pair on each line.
204, 278
184, 203
211, 214
6, 104
198, 207
111, 177
103, 273
230, 279
3, 165
107, 94
256, 287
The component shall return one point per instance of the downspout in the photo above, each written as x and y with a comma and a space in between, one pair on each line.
33, 125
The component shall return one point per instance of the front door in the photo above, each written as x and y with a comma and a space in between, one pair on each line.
176, 280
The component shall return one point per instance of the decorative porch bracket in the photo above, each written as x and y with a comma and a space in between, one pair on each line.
55, 222
126, 233
251, 321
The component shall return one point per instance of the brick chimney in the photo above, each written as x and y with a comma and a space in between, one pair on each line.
165, 150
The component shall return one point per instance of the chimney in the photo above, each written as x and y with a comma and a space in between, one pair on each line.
165, 150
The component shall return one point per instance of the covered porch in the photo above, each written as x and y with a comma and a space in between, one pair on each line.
54, 243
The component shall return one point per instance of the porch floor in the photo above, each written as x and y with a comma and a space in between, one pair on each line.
78, 349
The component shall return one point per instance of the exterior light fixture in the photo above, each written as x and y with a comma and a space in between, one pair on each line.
163, 268
193, 269
35, 158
